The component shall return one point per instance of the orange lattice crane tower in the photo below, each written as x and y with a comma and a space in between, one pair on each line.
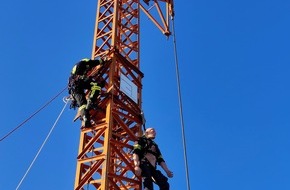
104, 160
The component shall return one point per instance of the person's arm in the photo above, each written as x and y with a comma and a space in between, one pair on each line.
95, 62
165, 168
137, 164
162, 163
137, 151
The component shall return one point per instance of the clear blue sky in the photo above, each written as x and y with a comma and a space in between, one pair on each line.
234, 66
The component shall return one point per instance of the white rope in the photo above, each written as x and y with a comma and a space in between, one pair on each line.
66, 102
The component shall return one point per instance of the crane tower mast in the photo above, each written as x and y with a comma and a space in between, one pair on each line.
104, 160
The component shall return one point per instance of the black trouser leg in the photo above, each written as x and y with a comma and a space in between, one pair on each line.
82, 104
147, 176
147, 183
87, 118
161, 180
92, 96
80, 98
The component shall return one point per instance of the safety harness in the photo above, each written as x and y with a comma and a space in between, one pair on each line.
144, 146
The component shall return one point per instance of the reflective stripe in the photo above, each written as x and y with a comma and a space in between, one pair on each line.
137, 146
93, 91
82, 107
74, 70
92, 94
93, 83
94, 88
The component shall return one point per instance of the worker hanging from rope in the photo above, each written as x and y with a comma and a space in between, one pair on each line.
81, 86
146, 155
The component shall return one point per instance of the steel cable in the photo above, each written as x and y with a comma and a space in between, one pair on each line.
180, 106
41, 108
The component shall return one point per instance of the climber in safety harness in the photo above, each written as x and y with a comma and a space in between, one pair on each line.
78, 85
146, 155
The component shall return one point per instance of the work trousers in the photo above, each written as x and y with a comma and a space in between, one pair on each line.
80, 97
81, 100
150, 174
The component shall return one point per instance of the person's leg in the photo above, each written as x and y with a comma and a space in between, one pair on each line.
80, 98
146, 176
92, 102
160, 180
84, 112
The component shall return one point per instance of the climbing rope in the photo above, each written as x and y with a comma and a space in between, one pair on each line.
180, 106
45, 105
66, 100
